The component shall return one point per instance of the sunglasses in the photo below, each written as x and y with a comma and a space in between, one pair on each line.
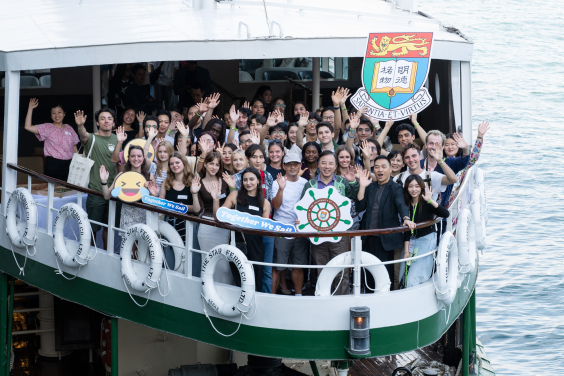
276, 141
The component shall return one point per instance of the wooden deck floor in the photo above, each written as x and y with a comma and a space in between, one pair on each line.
384, 366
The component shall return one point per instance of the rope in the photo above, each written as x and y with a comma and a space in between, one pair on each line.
368, 287
131, 296
214, 328
167, 280
16, 260
60, 272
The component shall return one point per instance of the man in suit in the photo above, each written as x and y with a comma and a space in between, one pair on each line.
384, 203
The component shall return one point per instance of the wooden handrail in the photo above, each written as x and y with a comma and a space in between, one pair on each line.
294, 82
208, 222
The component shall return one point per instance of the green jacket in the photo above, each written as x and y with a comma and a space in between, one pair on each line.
343, 186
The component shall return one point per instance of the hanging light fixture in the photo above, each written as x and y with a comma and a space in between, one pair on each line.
359, 337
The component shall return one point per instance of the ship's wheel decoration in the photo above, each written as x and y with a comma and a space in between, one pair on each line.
324, 210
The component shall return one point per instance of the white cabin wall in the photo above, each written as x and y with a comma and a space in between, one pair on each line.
139, 349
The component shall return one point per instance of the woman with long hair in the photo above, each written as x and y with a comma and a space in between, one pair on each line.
239, 161
292, 134
248, 199
227, 158
160, 166
127, 122
310, 155
258, 106
396, 162
136, 162
275, 157
60, 140
345, 163
207, 143
182, 186
421, 241
264, 93
209, 236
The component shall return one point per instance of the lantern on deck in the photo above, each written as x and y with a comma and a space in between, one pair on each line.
359, 331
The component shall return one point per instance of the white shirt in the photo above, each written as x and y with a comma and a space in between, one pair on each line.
436, 178
292, 193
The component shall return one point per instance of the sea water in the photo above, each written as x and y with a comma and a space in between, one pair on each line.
518, 86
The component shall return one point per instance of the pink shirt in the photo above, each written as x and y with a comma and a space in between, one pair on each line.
59, 142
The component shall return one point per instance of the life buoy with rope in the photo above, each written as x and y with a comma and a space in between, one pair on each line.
327, 275
446, 276
22, 234
233, 307
466, 241
141, 233
172, 236
69, 253
479, 184
479, 220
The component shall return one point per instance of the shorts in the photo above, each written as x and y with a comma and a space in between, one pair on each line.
297, 248
97, 209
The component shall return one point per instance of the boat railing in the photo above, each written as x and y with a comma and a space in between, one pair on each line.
458, 203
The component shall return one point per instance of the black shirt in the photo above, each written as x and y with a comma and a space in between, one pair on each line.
424, 212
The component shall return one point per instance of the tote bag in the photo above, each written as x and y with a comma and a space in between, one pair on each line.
79, 171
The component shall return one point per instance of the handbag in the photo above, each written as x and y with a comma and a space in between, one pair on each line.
79, 171
154, 75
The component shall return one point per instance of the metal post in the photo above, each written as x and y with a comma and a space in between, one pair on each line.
114, 339
10, 321
315, 88
11, 125
187, 253
111, 224
50, 195
357, 247
466, 340
472, 304
96, 92
3, 317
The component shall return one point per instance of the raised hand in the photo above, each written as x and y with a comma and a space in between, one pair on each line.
215, 190
160, 139
219, 149
140, 117
336, 97
202, 107
153, 188
362, 111
281, 181
460, 141
196, 185
354, 120
271, 120
152, 133
413, 117
364, 176
350, 174
483, 128
247, 105
436, 153
346, 94
428, 193
121, 135
33, 103
233, 114
303, 119
215, 117
104, 174
79, 118
302, 171
279, 116
230, 180
236, 143
255, 137
182, 129
203, 147
365, 148
389, 123
214, 100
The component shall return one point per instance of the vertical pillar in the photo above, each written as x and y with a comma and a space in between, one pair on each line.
114, 340
472, 304
467, 321
10, 321
96, 92
316, 68
11, 123
3, 317
357, 248
466, 99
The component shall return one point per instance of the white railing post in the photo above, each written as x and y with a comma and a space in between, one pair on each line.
79, 199
357, 247
50, 195
111, 224
187, 253
233, 239
29, 183
11, 126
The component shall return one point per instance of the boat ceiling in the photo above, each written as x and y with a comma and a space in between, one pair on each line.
59, 33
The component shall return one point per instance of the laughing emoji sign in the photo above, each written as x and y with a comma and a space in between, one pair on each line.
130, 187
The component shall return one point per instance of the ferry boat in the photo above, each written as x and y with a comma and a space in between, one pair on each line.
172, 324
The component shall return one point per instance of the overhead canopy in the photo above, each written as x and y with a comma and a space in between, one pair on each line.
39, 34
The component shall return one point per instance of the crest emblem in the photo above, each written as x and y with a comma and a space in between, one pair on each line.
395, 68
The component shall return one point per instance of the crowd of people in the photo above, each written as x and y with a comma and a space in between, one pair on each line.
261, 159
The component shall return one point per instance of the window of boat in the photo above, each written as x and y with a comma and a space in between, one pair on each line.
38, 78
296, 68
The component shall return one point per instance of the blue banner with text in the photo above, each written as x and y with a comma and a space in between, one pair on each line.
165, 204
238, 218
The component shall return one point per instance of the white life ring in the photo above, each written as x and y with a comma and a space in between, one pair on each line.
479, 184
479, 220
21, 234
172, 236
80, 257
246, 296
327, 275
466, 240
446, 277
142, 233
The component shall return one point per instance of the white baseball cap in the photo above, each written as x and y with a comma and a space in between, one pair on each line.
292, 157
